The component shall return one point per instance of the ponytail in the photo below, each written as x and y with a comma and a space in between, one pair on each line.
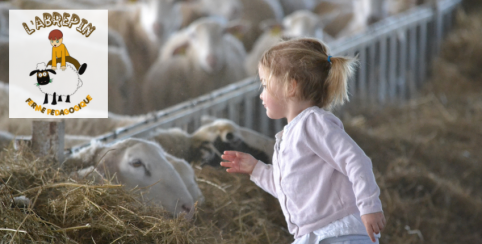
336, 84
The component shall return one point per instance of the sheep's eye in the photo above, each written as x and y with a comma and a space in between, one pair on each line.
229, 136
136, 163
39, 74
45, 73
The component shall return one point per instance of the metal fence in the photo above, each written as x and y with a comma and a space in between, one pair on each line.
394, 55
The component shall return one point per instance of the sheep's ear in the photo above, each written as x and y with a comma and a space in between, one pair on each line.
207, 119
274, 26
181, 49
51, 71
238, 28
33, 72
84, 158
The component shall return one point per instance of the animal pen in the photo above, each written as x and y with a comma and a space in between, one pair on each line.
394, 54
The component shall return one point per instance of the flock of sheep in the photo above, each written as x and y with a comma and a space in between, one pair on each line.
162, 52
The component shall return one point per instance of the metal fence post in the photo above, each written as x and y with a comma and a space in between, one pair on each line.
48, 139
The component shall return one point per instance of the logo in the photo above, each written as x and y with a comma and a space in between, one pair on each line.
58, 64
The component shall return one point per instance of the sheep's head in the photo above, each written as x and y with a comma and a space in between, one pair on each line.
42, 72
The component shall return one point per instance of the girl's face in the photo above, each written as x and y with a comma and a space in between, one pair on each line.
276, 107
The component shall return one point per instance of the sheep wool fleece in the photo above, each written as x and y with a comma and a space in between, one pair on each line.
319, 174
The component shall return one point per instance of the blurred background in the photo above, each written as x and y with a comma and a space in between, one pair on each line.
416, 101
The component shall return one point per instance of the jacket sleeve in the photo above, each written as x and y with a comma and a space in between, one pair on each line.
262, 176
331, 143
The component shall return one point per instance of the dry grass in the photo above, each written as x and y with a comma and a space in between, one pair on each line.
64, 211
426, 153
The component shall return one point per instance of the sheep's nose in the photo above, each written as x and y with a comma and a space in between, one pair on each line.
212, 61
186, 208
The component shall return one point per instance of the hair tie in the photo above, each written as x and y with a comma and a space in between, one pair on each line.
329, 60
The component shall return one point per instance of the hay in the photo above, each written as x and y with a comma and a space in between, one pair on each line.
61, 210
426, 153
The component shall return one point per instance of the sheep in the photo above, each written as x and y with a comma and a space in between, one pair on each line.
187, 175
121, 75
250, 12
301, 23
143, 164
351, 16
193, 10
290, 6
194, 61
145, 26
64, 83
207, 143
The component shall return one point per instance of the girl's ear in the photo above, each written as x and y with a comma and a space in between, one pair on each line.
292, 87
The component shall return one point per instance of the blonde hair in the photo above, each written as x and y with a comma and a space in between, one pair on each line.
306, 61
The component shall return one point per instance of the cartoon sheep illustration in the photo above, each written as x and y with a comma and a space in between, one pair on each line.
61, 83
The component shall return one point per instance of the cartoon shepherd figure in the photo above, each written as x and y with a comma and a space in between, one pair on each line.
60, 53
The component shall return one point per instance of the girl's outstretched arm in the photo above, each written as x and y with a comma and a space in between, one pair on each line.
238, 162
374, 223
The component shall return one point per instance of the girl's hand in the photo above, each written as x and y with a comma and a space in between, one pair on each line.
374, 223
238, 162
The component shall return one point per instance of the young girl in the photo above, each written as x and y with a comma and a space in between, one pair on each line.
321, 177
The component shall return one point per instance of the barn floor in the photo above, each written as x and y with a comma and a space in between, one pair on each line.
426, 153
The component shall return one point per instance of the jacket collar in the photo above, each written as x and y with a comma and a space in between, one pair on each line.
298, 118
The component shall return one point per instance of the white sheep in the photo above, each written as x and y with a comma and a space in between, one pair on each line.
207, 143
351, 16
250, 12
301, 23
142, 164
193, 62
145, 26
193, 10
121, 75
59, 83
290, 6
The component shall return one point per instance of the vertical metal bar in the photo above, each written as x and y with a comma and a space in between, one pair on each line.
392, 69
438, 28
382, 70
362, 75
422, 73
412, 88
233, 111
403, 64
372, 74
249, 110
